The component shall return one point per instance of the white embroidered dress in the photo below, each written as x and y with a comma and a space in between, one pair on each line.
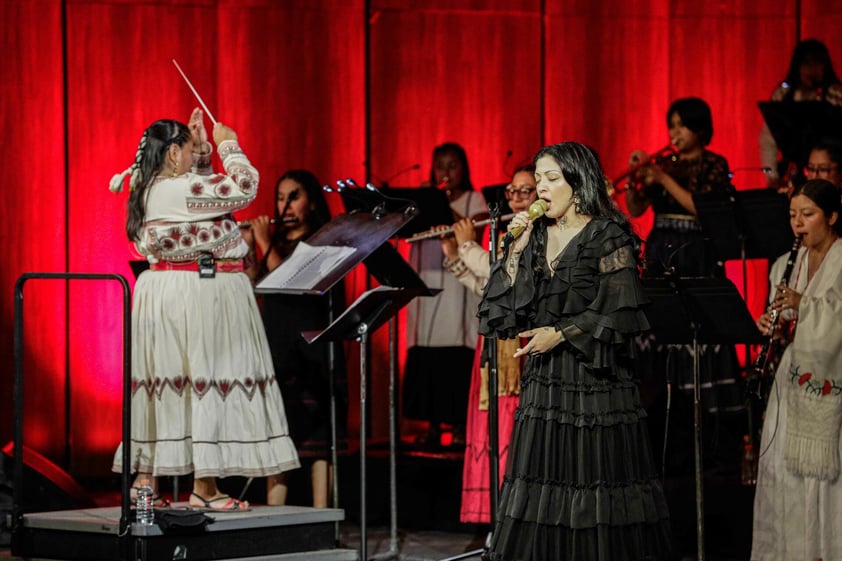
204, 395
799, 517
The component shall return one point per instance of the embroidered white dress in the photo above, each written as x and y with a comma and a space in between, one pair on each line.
799, 517
204, 395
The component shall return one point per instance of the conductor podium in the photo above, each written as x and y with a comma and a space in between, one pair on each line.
291, 533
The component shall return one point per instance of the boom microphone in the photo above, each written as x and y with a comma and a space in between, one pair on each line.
536, 210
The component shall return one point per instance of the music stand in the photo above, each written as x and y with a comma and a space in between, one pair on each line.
745, 224
368, 234
797, 126
698, 310
432, 206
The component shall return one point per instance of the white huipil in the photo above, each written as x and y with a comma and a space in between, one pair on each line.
204, 395
798, 501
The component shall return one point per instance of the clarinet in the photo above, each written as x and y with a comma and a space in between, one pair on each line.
772, 350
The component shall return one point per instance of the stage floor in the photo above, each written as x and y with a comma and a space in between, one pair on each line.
410, 546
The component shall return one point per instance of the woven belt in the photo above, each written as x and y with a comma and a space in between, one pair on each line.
222, 266
677, 222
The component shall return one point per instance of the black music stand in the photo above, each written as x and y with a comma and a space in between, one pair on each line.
751, 224
745, 224
368, 234
694, 311
797, 126
432, 206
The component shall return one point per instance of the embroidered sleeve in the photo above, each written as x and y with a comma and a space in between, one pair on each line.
218, 193
202, 162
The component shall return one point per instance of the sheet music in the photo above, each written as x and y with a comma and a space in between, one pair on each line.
307, 265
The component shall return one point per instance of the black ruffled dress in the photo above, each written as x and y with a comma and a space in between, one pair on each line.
580, 483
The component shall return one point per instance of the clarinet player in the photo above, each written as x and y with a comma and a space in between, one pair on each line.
798, 501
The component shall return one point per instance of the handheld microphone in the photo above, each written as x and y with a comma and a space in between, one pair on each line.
536, 210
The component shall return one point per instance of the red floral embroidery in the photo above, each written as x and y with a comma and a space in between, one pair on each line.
826, 387
804, 377
196, 189
225, 387
200, 385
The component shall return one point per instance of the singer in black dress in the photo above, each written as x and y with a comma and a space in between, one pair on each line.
580, 483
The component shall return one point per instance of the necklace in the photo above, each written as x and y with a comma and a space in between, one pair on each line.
561, 223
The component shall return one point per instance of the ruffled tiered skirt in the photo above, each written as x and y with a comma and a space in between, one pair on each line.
580, 482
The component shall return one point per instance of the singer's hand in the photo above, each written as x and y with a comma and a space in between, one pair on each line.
521, 220
544, 339
221, 133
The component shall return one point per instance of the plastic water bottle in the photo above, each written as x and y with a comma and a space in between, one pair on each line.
144, 509
748, 467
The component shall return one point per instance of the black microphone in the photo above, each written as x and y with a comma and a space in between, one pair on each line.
536, 210
385, 183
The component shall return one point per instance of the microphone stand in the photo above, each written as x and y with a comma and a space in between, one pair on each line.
490, 343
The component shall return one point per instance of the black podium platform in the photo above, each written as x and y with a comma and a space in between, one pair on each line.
287, 532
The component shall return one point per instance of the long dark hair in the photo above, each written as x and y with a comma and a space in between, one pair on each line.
461, 155
149, 160
826, 196
583, 172
809, 50
318, 215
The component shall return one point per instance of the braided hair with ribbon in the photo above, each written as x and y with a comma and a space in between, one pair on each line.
149, 161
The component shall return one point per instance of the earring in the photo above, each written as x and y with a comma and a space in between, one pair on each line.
175, 170
576, 207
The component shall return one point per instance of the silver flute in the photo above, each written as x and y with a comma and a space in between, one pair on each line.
434, 233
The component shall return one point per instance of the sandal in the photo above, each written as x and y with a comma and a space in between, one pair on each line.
230, 505
157, 500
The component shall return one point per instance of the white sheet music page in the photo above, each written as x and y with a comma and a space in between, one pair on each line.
307, 265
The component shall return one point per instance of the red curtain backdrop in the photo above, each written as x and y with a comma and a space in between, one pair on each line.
346, 89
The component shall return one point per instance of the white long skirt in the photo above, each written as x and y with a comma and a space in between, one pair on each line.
204, 395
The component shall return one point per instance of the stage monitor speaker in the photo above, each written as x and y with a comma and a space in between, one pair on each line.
46, 486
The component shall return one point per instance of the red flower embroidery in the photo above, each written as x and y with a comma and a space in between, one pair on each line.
200, 385
225, 387
826, 387
196, 189
804, 377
